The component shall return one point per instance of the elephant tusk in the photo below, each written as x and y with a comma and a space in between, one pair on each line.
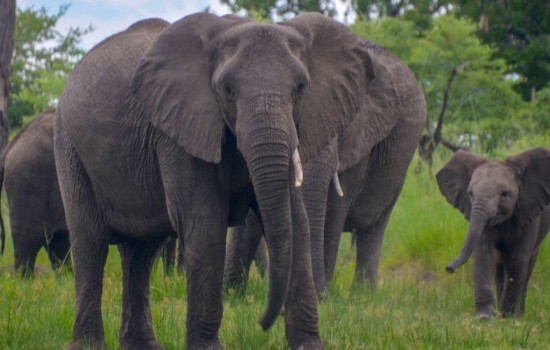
298, 171
336, 184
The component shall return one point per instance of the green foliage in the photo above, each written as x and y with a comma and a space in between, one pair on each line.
43, 58
483, 108
520, 31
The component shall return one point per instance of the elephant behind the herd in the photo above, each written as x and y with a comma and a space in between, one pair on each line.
370, 159
36, 213
508, 206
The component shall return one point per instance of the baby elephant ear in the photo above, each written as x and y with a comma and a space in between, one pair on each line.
454, 178
172, 85
533, 167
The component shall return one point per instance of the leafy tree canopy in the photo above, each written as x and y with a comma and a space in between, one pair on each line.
481, 99
518, 29
42, 60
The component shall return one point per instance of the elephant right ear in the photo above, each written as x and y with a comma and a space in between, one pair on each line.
340, 69
533, 167
172, 85
454, 178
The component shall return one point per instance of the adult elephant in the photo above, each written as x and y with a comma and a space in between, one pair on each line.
36, 213
366, 165
508, 206
184, 127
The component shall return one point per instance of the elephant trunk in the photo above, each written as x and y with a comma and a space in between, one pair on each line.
267, 152
478, 221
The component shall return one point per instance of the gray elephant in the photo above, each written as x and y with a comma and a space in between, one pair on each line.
508, 206
36, 212
184, 127
354, 182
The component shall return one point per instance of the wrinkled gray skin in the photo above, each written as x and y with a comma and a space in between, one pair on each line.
36, 212
508, 206
184, 130
371, 157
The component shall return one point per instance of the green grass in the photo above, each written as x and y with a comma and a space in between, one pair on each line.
417, 305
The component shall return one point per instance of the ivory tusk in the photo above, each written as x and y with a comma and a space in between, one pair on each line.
298, 171
336, 184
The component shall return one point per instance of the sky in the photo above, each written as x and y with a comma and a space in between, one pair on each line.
111, 16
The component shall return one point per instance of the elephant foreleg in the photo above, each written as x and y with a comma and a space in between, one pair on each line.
518, 263
198, 211
136, 331
500, 276
483, 268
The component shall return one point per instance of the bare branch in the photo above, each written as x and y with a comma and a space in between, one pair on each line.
439, 127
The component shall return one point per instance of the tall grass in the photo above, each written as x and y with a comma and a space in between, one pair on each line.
417, 305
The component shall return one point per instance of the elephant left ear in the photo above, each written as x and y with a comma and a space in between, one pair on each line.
454, 178
533, 167
340, 68
172, 84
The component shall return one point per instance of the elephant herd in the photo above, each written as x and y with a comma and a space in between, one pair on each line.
289, 132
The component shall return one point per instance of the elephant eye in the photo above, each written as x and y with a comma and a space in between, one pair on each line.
504, 193
228, 91
471, 194
301, 88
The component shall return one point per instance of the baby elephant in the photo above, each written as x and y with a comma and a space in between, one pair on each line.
37, 217
507, 204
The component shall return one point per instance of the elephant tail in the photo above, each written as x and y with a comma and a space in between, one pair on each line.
2, 229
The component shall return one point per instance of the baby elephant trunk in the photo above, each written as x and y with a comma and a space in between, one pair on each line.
478, 221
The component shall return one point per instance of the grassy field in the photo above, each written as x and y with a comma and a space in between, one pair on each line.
417, 305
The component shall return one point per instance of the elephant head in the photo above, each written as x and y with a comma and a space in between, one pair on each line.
491, 192
273, 87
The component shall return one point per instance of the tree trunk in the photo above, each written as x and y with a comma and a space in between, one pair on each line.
7, 26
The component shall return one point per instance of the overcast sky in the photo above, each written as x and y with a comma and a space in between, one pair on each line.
111, 16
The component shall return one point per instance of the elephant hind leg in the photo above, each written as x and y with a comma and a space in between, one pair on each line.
530, 269
25, 252
242, 244
138, 257
369, 246
500, 277
89, 237
58, 249
169, 255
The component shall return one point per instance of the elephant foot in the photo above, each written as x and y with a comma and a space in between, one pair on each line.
485, 315
87, 345
137, 344
313, 343
205, 345
508, 313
